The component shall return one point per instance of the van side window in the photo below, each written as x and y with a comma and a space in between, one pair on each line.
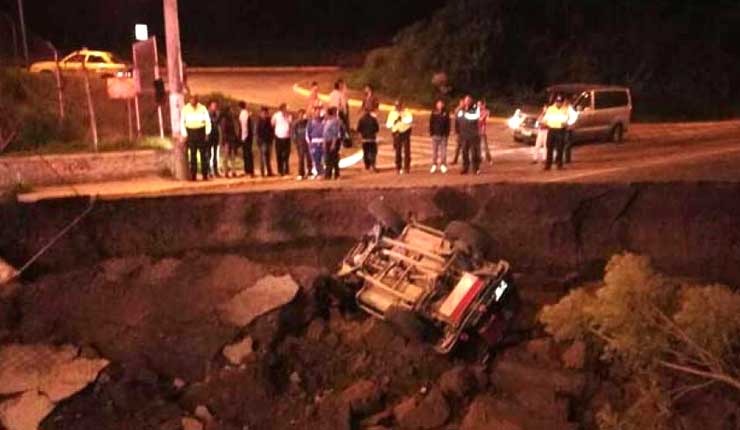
610, 99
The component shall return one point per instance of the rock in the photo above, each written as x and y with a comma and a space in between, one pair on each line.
264, 296
189, 423
25, 412
575, 356
179, 383
7, 272
203, 414
483, 415
381, 418
237, 352
316, 330
430, 412
457, 382
487, 413
117, 269
332, 414
364, 397
56, 371
542, 349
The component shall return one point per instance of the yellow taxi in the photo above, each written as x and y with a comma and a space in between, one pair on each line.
104, 63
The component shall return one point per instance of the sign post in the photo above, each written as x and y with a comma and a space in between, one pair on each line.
175, 78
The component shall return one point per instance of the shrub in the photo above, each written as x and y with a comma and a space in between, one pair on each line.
668, 333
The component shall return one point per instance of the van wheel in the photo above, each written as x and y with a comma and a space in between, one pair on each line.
387, 217
409, 325
617, 134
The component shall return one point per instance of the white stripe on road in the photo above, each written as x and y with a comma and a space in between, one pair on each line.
669, 159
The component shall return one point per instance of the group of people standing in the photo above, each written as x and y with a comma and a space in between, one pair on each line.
319, 132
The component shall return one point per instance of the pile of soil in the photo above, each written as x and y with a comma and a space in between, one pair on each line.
158, 322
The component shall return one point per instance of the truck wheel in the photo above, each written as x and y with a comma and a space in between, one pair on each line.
407, 323
466, 238
617, 134
387, 217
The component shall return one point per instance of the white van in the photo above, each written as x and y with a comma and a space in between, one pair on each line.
604, 112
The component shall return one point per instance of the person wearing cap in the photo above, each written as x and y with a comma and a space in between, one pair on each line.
556, 119
195, 126
469, 117
399, 122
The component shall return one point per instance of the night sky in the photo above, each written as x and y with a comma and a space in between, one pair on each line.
226, 25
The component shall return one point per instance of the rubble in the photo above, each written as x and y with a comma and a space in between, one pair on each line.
237, 352
26, 411
458, 381
575, 356
429, 412
264, 296
7, 272
364, 397
189, 423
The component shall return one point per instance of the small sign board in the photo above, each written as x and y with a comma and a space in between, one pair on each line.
141, 31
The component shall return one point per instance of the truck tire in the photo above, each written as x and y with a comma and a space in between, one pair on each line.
467, 238
387, 217
408, 323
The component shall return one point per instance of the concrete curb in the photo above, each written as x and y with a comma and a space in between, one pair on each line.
287, 69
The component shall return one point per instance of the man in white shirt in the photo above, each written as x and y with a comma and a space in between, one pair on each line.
281, 121
245, 137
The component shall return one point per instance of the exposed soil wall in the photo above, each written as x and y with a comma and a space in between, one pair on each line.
688, 228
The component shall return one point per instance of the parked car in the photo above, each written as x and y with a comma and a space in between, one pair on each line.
604, 112
434, 286
104, 63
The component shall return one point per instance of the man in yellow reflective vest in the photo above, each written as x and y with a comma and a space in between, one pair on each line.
196, 125
399, 122
556, 119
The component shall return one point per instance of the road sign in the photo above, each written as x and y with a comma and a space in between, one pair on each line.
141, 31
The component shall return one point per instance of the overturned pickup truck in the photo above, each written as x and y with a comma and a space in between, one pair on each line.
434, 286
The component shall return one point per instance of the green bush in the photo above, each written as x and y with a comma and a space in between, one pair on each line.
673, 336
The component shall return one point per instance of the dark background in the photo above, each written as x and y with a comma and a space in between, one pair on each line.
227, 27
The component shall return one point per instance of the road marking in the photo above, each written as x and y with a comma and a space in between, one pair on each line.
670, 159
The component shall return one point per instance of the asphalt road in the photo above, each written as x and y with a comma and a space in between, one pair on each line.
706, 151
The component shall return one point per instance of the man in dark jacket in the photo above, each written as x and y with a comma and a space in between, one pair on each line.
298, 134
246, 136
264, 141
368, 128
469, 116
439, 129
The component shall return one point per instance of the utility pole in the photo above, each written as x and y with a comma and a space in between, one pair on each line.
174, 76
22, 21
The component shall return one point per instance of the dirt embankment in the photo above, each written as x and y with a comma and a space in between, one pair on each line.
688, 228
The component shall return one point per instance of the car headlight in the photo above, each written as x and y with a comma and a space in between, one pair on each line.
515, 121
